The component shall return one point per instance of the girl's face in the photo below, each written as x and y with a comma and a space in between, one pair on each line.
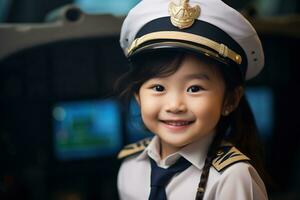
183, 107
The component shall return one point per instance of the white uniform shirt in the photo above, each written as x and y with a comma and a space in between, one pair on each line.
239, 181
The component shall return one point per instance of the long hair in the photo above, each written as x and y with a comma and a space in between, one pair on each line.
238, 127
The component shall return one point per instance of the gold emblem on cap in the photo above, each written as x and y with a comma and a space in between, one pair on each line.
183, 15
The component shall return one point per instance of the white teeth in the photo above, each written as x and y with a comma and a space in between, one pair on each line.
177, 123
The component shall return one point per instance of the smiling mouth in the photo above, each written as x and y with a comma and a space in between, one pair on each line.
178, 123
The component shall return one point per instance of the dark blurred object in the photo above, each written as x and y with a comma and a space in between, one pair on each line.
281, 40
11, 187
239, 4
249, 11
267, 7
65, 23
32, 10
284, 26
73, 56
4, 8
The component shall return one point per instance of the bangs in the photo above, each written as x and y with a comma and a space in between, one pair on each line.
157, 63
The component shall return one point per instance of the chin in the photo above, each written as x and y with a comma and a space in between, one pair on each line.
176, 142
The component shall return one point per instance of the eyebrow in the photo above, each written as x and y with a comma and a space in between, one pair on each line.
198, 76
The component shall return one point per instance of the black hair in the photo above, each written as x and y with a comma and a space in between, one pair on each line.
238, 127
145, 67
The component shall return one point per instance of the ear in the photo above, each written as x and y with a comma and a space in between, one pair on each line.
232, 101
137, 98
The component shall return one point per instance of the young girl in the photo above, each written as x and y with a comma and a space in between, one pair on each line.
189, 61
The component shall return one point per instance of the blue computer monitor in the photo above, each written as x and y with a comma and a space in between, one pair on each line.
135, 127
86, 129
261, 101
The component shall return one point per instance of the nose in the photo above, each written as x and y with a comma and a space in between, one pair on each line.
175, 104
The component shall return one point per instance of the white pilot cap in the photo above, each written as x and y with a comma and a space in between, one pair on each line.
210, 27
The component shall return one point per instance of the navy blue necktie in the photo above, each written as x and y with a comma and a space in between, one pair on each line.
160, 177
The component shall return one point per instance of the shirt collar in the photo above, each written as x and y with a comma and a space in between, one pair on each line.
195, 152
153, 149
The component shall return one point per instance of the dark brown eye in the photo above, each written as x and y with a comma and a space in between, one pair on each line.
194, 88
158, 88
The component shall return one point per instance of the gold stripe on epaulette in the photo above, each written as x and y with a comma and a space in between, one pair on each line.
227, 156
134, 148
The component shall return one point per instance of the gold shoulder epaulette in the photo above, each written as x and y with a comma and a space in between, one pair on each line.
134, 148
226, 156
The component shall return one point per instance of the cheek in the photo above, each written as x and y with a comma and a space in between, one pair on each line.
149, 110
208, 109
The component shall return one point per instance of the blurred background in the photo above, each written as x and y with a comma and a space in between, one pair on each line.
61, 127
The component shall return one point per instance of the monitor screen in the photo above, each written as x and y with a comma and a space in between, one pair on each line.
262, 105
135, 128
86, 129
